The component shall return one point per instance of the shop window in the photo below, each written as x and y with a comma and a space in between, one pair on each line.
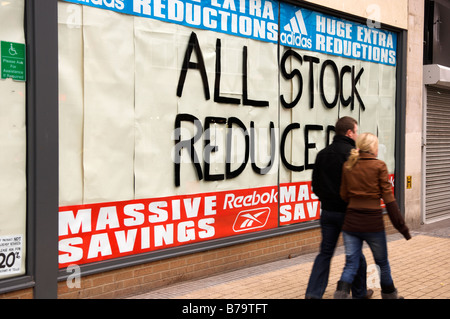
13, 184
187, 122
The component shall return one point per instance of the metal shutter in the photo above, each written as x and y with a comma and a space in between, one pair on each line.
437, 154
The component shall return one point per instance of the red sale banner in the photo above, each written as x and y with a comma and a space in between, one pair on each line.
298, 203
101, 231
94, 232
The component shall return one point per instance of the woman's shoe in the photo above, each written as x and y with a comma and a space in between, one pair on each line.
391, 295
342, 290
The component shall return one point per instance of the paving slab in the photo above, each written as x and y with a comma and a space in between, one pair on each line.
420, 268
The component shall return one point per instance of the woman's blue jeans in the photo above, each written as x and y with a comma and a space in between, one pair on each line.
353, 242
331, 225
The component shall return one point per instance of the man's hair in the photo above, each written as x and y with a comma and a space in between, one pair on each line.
344, 124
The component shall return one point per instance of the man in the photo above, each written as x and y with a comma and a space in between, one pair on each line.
326, 182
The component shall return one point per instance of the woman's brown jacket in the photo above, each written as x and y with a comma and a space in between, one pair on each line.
362, 187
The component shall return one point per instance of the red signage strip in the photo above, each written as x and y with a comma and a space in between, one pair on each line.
94, 232
101, 231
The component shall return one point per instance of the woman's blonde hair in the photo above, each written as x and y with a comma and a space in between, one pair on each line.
365, 143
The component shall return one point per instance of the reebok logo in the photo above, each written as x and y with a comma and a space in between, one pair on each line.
295, 33
251, 219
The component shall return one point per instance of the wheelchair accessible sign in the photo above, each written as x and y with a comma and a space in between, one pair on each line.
13, 63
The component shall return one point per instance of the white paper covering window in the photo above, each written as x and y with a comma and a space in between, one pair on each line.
122, 90
13, 196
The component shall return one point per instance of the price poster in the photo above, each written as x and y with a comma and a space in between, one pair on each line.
10, 255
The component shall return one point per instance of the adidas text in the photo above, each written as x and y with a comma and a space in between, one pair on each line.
297, 40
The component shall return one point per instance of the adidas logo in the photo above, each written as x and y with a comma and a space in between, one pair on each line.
251, 219
296, 33
297, 24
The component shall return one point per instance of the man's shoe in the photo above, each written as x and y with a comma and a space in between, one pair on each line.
368, 295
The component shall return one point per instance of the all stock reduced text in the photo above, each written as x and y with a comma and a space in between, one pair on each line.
202, 129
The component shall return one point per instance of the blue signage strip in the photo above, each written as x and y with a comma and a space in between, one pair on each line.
298, 27
310, 30
255, 19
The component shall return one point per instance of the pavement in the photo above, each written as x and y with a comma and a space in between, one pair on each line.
420, 269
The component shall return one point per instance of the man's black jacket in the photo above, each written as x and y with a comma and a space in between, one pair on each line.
327, 173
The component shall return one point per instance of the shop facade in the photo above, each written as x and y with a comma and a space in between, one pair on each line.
156, 141
436, 115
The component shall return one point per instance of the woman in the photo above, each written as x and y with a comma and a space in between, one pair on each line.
365, 180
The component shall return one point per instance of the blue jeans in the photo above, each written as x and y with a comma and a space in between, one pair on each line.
353, 242
331, 225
